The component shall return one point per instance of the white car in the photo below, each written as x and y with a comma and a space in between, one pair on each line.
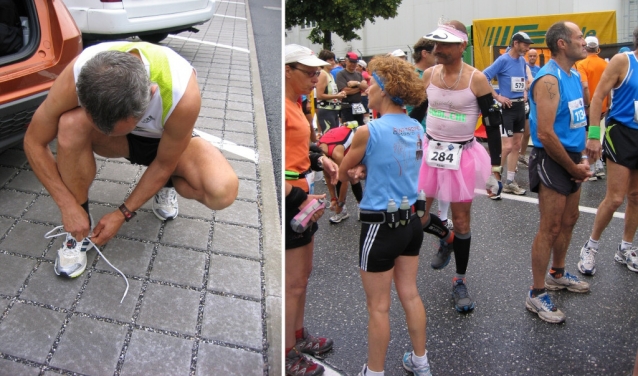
151, 20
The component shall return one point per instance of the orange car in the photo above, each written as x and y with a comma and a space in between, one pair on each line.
50, 40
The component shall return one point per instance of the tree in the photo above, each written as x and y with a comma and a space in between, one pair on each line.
341, 17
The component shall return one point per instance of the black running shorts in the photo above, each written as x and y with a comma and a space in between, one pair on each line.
380, 245
543, 169
143, 150
621, 145
513, 119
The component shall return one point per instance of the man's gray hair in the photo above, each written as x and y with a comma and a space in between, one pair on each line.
113, 86
557, 31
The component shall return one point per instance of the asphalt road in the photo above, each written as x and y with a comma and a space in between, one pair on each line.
500, 337
266, 22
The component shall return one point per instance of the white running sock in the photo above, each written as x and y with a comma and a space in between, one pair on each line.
420, 360
510, 176
625, 245
591, 243
443, 209
369, 372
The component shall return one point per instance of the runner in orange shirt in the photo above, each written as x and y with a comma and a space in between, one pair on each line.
591, 69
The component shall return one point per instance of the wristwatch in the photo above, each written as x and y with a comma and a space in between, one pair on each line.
128, 215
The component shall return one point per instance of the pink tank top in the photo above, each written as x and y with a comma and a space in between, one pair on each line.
452, 114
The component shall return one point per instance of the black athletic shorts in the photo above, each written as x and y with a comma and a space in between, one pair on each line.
380, 245
513, 119
143, 150
543, 169
295, 239
621, 145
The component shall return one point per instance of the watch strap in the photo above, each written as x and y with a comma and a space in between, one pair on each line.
128, 215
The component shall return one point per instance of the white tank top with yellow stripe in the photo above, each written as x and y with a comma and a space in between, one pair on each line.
169, 71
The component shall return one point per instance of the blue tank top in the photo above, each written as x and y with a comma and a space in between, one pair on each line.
625, 96
570, 121
505, 68
393, 159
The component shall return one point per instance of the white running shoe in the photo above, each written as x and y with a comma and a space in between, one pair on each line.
587, 262
341, 216
165, 204
628, 257
514, 189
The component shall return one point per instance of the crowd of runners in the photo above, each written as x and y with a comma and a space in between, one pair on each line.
403, 135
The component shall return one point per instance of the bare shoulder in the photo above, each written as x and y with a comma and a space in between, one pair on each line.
546, 87
480, 85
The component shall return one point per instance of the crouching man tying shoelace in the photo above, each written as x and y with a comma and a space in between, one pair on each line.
123, 99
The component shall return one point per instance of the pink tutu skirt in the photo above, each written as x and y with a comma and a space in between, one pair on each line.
456, 185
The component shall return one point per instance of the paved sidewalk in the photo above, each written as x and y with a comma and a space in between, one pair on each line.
205, 288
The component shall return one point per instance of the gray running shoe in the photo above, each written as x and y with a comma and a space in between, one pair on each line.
165, 204
443, 256
494, 188
542, 305
411, 367
587, 261
313, 345
567, 281
341, 216
628, 257
523, 160
513, 188
299, 365
599, 170
462, 300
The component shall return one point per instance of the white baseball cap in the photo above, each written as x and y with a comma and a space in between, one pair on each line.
362, 63
398, 53
592, 42
303, 55
446, 34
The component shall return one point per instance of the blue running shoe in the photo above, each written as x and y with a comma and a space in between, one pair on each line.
411, 367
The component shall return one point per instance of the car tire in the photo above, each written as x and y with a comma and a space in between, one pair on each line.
153, 38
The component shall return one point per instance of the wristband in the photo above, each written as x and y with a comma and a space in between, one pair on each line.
296, 197
128, 215
584, 157
594, 132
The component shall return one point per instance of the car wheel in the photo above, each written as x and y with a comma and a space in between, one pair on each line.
153, 38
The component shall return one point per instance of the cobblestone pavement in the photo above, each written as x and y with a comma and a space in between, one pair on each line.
205, 288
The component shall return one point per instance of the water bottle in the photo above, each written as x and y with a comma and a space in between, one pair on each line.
404, 211
301, 221
310, 178
392, 214
420, 204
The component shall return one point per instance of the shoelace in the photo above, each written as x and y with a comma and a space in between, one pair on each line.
547, 302
166, 197
50, 235
460, 289
571, 277
588, 255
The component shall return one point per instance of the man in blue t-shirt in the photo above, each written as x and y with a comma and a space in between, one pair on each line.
509, 70
532, 56
556, 165
339, 67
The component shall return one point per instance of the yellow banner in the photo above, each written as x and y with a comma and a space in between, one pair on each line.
498, 31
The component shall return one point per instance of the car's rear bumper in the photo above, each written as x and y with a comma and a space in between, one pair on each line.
15, 116
116, 22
